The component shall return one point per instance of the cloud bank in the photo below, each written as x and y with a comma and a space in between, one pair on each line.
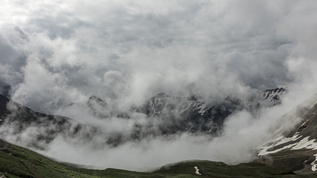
54, 54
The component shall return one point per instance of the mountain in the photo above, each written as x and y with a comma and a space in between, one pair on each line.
16, 119
99, 108
297, 150
169, 115
189, 113
166, 115
196, 116
270, 98
5, 89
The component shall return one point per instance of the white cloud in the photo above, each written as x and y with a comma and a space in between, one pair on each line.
54, 53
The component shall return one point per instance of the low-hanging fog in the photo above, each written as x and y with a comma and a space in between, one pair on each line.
56, 54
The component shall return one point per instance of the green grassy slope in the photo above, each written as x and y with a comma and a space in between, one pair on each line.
218, 169
16, 161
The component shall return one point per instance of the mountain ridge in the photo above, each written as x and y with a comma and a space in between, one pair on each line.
176, 115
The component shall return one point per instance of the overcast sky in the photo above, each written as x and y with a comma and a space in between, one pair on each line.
54, 53
132, 50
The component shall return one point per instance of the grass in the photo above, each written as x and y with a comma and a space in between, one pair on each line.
218, 169
16, 161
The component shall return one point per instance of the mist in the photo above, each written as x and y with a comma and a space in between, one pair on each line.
56, 55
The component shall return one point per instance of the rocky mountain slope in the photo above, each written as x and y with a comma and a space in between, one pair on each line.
166, 115
194, 115
297, 149
41, 129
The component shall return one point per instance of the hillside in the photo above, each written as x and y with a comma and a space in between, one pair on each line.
16, 161
296, 150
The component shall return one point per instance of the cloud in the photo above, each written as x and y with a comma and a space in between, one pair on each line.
55, 54
242, 135
191, 41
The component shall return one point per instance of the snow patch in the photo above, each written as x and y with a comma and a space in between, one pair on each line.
279, 141
300, 144
312, 105
304, 123
305, 143
265, 151
202, 109
197, 170
314, 166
